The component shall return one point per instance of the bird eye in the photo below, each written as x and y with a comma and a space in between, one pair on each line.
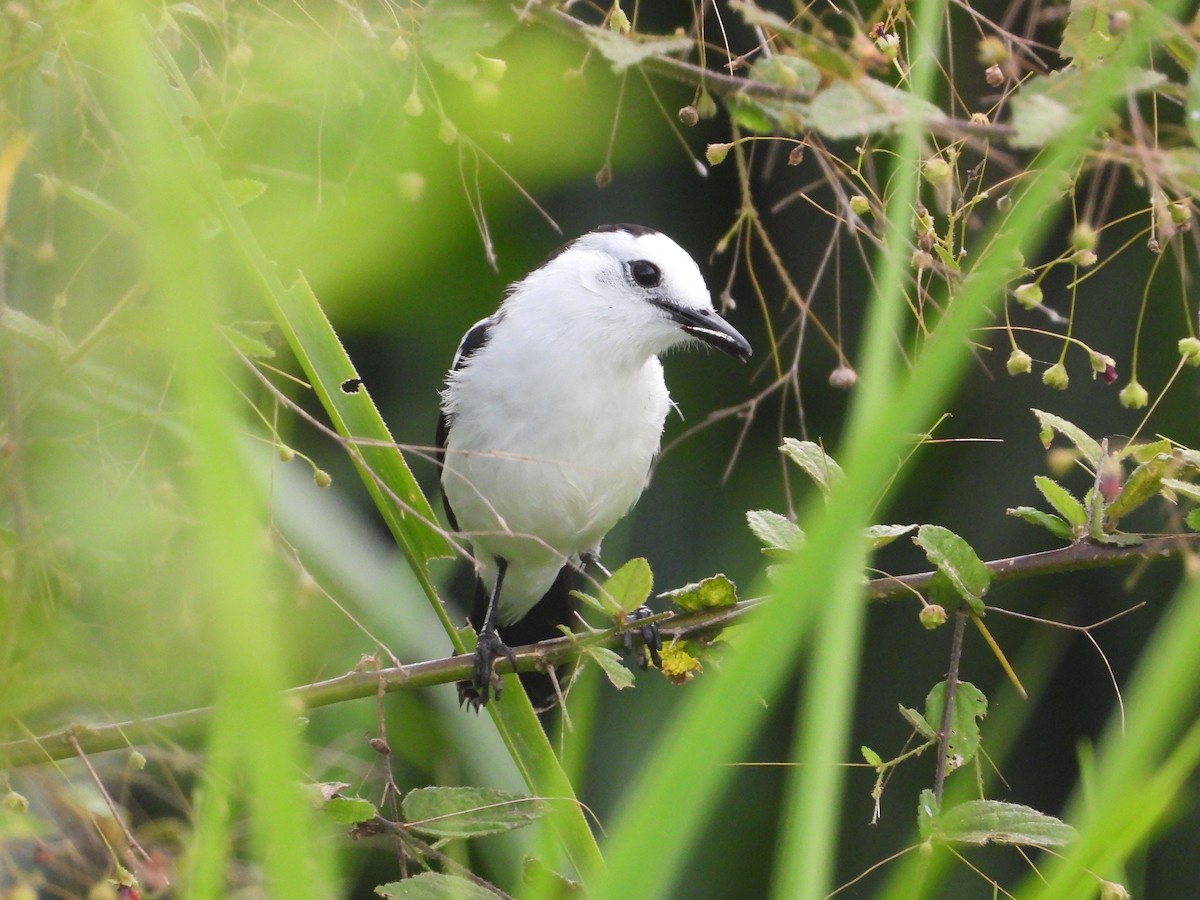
645, 273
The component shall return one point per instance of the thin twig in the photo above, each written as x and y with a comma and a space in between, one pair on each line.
943, 750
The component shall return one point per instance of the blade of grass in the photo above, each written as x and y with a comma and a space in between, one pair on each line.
253, 734
689, 767
356, 418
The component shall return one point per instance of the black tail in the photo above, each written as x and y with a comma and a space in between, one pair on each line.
541, 623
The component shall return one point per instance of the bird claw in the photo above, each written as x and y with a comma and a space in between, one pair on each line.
649, 634
485, 682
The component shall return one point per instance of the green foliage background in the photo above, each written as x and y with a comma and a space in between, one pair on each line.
172, 170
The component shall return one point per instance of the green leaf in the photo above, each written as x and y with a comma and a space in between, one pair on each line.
248, 344
614, 669
927, 812
917, 721
827, 55
452, 32
1086, 445
1183, 488
624, 51
244, 190
882, 535
872, 758
864, 106
1051, 523
991, 821
434, 886
955, 559
792, 72
630, 585
1193, 519
465, 812
1045, 105
970, 705
1140, 452
816, 463
349, 810
779, 535
1087, 38
1063, 501
713, 591
1143, 484
534, 871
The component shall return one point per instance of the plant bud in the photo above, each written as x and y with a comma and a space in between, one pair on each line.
322, 479
1029, 295
1056, 377
688, 115
1133, 396
994, 76
1189, 349
860, 205
843, 377
716, 153
1019, 363
932, 616
936, 171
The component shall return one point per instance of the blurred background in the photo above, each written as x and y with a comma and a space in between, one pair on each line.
409, 217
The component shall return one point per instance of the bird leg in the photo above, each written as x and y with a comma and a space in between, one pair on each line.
488, 648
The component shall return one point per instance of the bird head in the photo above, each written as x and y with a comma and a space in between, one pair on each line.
633, 287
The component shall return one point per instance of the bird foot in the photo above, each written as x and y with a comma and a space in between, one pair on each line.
485, 683
649, 634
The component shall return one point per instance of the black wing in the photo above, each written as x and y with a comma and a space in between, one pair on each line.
472, 341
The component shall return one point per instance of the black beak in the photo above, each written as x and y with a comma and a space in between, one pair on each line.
711, 328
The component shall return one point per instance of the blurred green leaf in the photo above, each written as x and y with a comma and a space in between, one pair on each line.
1088, 37
1088, 446
882, 535
1042, 519
611, 664
865, 106
970, 705
816, 463
713, 591
1063, 501
454, 31
992, 821
957, 560
779, 535
630, 585
434, 886
349, 810
624, 51
466, 812
1142, 485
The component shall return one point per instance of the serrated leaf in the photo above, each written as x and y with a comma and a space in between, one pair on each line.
624, 51
1088, 446
872, 758
970, 705
882, 535
981, 822
244, 190
917, 721
1064, 502
614, 669
1143, 484
1143, 452
464, 812
713, 591
1193, 519
434, 886
453, 32
816, 463
865, 106
1042, 519
630, 585
956, 559
779, 535
349, 810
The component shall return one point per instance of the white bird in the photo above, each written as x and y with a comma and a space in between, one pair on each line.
551, 416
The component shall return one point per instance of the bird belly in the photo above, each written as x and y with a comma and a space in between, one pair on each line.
544, 492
